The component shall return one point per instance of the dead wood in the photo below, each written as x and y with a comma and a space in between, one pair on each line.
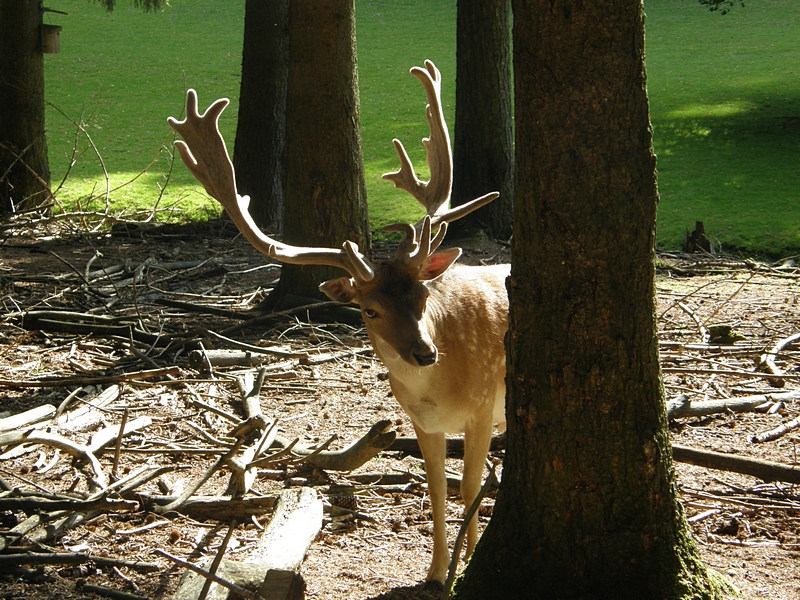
243, 473
73, 558
282, 585
20, 530
295, 523
764, 470
85, 323
682, 406
107, 592
32, 505
222, 337
73, 419
228, 572
455, 445
767, 361
95, 380
378, 438
774, 434
198, 483
104, 437
79, 451
212, 507
202, 309
41, 413
200, 360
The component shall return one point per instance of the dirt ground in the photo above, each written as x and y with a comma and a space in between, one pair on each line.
745, 528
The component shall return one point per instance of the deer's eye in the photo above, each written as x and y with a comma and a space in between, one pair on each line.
369, 313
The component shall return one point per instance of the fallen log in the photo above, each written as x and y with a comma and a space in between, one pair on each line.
682, 406
295, 523
211, 507
764, 470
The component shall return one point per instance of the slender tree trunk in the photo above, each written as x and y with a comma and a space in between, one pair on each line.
323, 171
483, 155
262, 106
24, 170
588, 505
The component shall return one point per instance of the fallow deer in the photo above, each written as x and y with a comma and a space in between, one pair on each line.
438, 328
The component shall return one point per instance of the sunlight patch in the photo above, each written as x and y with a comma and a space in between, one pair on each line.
724, 109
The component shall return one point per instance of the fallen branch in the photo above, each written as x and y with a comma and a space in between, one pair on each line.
33, 504
29, 417
79, 451
684, 407
212, 507
767, 361
774, 434
73, 558
98, 380
378, 438
85, 323
764, 470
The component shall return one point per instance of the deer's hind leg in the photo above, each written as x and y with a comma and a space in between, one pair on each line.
477, 437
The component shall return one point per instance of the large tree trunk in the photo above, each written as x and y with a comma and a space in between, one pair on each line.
262, 106
483, 155
24, 170
588, 506
323, 171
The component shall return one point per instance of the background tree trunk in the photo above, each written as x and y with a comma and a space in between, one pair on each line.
262, 106
323, 171
24, 170
483, 154
588, 505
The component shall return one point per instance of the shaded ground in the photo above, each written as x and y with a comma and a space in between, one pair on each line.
745, 528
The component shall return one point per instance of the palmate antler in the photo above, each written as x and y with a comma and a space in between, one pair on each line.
433, 195
204, 153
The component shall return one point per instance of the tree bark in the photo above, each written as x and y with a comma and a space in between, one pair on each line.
24, 170
262, 107
483, 153
323, 170
588, 505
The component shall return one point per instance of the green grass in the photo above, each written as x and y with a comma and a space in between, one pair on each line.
724, 92
725, 108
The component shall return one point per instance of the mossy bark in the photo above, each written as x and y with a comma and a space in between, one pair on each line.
588, 505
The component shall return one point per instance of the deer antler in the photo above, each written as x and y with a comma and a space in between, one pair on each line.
434, 194
204, 153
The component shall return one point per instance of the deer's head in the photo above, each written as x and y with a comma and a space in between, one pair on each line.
392, 294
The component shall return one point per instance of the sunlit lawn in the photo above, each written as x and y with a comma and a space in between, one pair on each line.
724, 92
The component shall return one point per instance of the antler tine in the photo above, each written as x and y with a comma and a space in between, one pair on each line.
204, 153
434, 193
462, 210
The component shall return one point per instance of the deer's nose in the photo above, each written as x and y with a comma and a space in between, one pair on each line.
425, 356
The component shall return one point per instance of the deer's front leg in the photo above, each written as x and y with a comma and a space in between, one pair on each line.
433, 451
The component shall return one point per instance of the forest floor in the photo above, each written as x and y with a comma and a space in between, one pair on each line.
162, 282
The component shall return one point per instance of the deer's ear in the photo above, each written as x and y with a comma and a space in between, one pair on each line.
437, 263
342, 289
